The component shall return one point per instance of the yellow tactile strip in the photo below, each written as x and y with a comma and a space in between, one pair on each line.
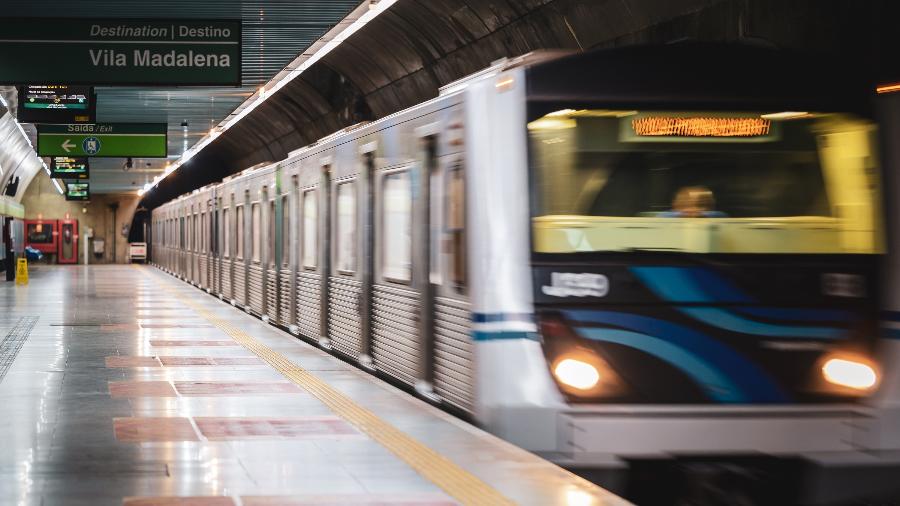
454, 480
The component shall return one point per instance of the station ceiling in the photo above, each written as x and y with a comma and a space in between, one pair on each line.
403, 56
274, 32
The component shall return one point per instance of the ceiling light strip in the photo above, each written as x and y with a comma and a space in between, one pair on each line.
325, 46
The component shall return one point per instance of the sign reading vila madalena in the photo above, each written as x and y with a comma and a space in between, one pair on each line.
121, 52
139, 140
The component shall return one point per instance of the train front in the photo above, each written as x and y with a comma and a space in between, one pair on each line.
707, 233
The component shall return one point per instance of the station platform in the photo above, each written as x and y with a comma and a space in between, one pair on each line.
123, 385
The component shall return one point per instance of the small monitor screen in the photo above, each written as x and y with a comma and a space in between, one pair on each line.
56, 103
64, 167
78, 191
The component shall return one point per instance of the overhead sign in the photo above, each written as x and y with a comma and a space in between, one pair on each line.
105, 140
56, 103
65, 167
121, 52
78, 191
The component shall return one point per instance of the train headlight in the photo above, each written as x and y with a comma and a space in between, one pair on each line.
850, 373
576, 374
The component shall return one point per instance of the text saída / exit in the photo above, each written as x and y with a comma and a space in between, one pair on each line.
149, 58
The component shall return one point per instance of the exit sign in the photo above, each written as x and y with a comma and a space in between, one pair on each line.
103, 140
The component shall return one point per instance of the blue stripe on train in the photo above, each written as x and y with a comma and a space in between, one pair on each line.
674, 284
753, 382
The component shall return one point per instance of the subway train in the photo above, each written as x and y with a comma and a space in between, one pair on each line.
664, 267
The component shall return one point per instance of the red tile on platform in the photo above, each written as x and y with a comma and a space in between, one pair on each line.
111, 327
190, 342
236, 428
177, 501
357, 500
176, 326
162, 308
142, 430
141, 389
131, 361
222, 388
188, 361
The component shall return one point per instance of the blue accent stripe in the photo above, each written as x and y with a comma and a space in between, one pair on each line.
478, 335
891, 316
798, 314
502, 317
671, 284
754, 383
721, 318
714, 382
719, 288
674, 284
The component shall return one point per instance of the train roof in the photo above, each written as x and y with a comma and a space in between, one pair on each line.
700, 76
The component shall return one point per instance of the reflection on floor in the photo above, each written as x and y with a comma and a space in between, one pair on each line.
124, 394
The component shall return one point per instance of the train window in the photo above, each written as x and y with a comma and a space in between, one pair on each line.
271, 238
181, 234
345, 228
455, 229
239, 239
310, 228
202, 232
196, 235
396, 217
226, 236
255, 232
798, 183
285, 231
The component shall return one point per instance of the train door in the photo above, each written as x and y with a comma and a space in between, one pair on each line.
271, 254
68, 242
255, 281
227, 260
308, 277
287, 260
202, 255
189, 246
453, 364
241, 257
344, 276
196, 236
394, 299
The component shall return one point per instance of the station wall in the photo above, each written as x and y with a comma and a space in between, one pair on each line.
41, 198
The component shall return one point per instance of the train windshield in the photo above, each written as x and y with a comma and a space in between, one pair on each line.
703, 182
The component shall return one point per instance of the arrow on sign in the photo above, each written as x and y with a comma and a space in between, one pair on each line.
67, 145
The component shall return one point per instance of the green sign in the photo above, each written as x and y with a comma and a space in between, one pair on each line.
139, 140
121, 52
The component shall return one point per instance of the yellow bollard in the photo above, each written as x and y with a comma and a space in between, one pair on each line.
22, 272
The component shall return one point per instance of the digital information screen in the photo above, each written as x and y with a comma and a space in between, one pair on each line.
64, 167
56, 103
78, 191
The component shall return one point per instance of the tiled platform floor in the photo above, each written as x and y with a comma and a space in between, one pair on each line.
123, 395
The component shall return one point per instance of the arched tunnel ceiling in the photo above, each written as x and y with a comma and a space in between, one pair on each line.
403, 56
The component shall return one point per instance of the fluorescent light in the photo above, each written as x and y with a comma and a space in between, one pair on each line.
278, 82
784, 115
56, 184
